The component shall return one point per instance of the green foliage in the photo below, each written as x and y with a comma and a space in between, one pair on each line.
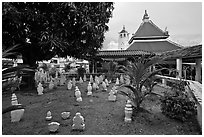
44, 67
81, 72
12, 76
139, 74
52, 72
112, 68
67, 67
46, 29
176, 104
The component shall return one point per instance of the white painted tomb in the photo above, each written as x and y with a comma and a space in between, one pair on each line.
78, 122
89, 88
69, 85
40, 89
78, 94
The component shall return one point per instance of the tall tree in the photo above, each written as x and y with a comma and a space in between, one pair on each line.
46, 29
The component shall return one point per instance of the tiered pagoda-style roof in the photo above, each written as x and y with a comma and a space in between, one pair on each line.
151, 38
154, 46
147, 40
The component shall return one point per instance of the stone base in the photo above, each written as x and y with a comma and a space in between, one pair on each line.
128, 120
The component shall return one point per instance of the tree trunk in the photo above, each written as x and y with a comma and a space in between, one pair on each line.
29, 59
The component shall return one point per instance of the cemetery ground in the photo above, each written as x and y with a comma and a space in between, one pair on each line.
102, 117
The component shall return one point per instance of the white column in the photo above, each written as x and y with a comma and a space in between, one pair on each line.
179, 67
198, 70
93, 64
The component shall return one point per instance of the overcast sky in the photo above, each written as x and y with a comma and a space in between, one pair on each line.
182, 19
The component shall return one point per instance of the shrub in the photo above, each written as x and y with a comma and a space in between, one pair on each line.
52, 72
177, 105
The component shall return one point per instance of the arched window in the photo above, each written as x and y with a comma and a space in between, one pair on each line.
121, 35
124, 35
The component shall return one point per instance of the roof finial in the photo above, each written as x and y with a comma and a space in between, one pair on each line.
145, 17
123, 27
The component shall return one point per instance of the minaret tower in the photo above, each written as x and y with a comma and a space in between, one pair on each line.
123, 39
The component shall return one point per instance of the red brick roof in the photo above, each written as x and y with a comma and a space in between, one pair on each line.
122, 53
154, 46
185, 53
148, 30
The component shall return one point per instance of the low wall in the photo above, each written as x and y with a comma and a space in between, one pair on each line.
194, 88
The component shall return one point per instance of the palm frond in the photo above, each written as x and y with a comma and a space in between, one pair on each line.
9, 51
149, 75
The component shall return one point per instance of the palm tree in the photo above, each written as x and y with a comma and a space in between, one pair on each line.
140, 75
11, 77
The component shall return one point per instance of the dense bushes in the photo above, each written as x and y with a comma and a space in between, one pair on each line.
177, 104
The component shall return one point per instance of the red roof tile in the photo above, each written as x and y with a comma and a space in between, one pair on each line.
148, 30
154, 46
188, 53
122, 53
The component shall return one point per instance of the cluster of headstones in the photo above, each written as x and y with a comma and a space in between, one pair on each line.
78, 121
94, 85
42, 76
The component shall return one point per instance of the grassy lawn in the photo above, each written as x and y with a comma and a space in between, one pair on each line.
101, 116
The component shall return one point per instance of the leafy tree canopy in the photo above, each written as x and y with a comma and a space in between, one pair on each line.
46, 29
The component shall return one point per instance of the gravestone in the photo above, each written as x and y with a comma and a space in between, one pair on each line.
117, 82
89, 88
78, 122
104, 86
114, 89
107, 83
49, 115
96, 78
94, 86
112, 97
14, 100
51, 85
78, 94
91, 79
40, 89
121, 79
53, 126
81, 80
128, 112
69, 85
